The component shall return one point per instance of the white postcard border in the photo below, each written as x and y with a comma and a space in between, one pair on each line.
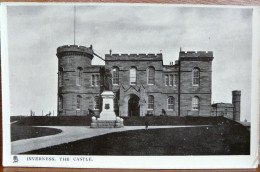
140, 162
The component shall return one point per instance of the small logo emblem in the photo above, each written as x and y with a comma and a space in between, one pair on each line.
15, 159
107, 106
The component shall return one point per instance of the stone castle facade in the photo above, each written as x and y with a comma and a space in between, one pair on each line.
142, 84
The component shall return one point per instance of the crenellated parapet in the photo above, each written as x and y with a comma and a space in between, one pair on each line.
74, 50
196, 55
236, 92
124, 57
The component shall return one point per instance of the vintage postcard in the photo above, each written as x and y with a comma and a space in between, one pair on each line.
150, 86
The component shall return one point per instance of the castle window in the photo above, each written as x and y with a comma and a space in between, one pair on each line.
150, 102
79, 76
226, 112
69, 60
60, 102
96, 106
93, 80
133, 76
170, 103
195, 76
175, 80
170, 80
78, 104
151, 76
195, 103
61, 77
115, 75
97, 80
166, 79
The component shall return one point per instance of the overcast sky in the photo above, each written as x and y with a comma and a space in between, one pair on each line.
34, 33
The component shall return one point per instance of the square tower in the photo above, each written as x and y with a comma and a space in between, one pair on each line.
195, 78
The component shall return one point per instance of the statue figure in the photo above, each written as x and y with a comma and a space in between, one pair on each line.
107, 80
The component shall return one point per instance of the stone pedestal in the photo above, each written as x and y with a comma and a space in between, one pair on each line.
108, 112
108, 117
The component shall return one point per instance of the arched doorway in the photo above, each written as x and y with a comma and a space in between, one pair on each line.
133, 106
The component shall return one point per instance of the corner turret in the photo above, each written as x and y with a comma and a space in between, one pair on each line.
74, 50
73, 60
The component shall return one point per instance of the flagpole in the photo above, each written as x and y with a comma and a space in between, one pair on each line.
74, 24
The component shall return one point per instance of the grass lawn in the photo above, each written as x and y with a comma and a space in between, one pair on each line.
25, 132
52, 120
224, 139
128, 121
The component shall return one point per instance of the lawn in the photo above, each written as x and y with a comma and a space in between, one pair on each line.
52, 120
222, 139
25, 132
128, 121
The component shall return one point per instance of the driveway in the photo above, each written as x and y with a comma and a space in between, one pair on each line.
71, 134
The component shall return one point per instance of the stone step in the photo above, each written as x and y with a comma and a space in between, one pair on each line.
105, 121
106, 124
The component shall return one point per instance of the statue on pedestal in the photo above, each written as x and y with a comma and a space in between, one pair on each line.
107, 79
107, 117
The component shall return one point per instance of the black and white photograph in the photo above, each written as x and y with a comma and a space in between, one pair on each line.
126, 80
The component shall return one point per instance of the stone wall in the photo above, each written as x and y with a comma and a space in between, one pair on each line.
71, 58
202, 61
222, 109
71, 61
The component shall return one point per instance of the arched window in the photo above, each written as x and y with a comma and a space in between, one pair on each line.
96, 99
78, 104
170, 103
195, 103
151, 76
150, 102
226, 112
133, 76
61, 76
79, 76
195, 77
115, 76
60, 102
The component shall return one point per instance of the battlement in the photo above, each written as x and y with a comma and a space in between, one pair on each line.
196, 54
74, 50
236, 92
133, 56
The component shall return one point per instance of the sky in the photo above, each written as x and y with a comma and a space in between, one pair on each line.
35, 32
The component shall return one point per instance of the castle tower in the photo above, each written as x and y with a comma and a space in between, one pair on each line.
72, 61
236, 99
195, 78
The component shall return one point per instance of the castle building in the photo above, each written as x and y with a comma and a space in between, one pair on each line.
142, 84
